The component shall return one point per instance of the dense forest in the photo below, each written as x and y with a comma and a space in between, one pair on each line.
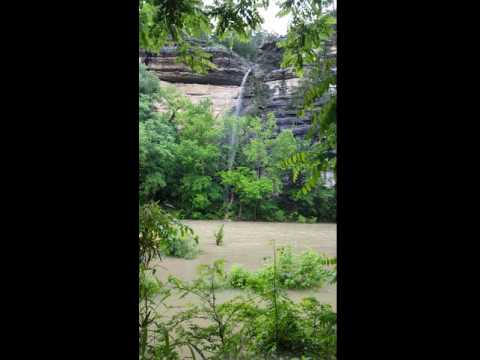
196, 165
184, 163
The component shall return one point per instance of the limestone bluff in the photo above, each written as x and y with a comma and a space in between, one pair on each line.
270, 88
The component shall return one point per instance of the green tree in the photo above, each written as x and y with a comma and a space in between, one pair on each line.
156, 156
180, 22
197, 155
247, 187
156, 138
306, 45
245, 46
260, 138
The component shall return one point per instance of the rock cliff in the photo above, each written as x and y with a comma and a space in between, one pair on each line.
274, 89
269, 88
230, 67
221, 84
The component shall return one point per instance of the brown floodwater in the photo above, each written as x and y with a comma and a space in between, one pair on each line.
248, 244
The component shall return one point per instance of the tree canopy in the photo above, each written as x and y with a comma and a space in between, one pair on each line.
307, 51
181, 22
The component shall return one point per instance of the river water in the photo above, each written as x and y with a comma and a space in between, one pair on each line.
248, 244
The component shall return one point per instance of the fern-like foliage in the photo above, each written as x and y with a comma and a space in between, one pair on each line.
161, 234
179, 22
306, 47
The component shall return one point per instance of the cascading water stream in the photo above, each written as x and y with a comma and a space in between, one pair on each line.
242, 89
233, 131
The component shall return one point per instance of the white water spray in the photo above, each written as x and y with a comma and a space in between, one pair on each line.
233, 131
240, 97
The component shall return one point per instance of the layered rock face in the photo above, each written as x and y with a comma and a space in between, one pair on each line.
273, 89
224, 97
269, 88
276, 90
230, 67
221, 85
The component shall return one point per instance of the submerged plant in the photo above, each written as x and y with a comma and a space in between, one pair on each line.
264, 325
161, 234
293, 271
224, 334
219, 236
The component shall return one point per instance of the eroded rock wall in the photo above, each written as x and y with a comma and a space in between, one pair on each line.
224, 97
273, 89
221, 85
229, 70
269, 88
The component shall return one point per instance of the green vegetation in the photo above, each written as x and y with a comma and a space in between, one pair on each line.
245, 46
294, 271
219, 236
236, 24
266, 325
184, 162
306, 46
161, 234
183, 22
184, 153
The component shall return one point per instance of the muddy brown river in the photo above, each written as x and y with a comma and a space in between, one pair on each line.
248, 244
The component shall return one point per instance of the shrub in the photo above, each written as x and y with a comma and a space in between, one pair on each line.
326, 205
161, 234
211, 276
301, 271
149, 286
269, 326
279, 215
147, 81
239, 277
301, 219
305, 330
294, 271
219, 236
185, 247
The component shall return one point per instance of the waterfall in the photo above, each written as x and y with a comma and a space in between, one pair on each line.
240, 97
233, 131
